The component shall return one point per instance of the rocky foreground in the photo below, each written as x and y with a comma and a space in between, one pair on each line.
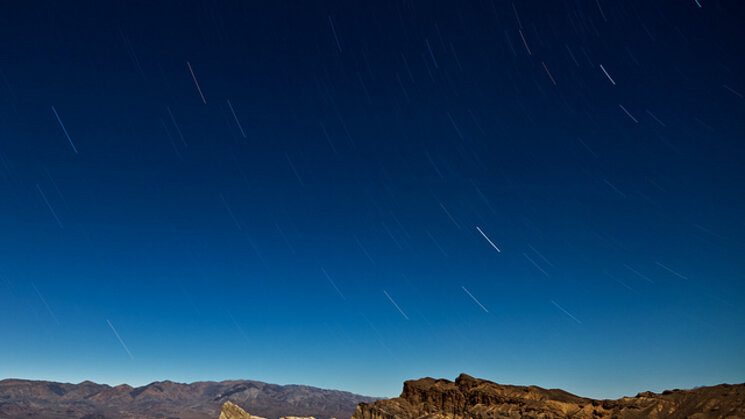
471, 398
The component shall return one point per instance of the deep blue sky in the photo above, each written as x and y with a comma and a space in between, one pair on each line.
374, 138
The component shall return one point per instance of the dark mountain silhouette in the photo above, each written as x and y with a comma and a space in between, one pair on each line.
471, 398
166, 399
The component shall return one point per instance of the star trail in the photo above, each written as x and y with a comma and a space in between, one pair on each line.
333, 193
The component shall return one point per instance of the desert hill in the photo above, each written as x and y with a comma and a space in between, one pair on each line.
471, 398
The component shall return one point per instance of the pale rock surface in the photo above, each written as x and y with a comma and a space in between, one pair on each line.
233, 411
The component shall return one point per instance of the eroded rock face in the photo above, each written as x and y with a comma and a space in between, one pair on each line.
471, 398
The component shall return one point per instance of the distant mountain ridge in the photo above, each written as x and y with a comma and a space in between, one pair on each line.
471, 398
169, 400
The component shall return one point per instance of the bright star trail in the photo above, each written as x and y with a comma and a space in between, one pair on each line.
607, 75
488, 239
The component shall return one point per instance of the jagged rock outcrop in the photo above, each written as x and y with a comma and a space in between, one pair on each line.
471, 398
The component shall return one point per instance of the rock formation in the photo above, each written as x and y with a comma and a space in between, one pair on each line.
471, 398
233, 411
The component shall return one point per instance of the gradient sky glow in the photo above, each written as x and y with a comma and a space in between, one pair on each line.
292, 192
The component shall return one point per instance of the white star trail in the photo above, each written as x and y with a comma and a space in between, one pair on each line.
488, 239
395, 305
64, 130
535, 264
549, 73
49, 206
199, 89
240, 127
628, 113
607, 75
641, 275
671, 271
565, 312
655, 118
333, 30
525, 42
120, 339
331, 281
49, 309
474, 299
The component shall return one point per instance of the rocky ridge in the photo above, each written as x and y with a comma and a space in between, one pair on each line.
471, 398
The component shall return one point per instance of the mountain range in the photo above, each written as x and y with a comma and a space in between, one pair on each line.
169, 400
426, 398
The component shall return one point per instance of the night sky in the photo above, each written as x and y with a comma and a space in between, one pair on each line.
349, 194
